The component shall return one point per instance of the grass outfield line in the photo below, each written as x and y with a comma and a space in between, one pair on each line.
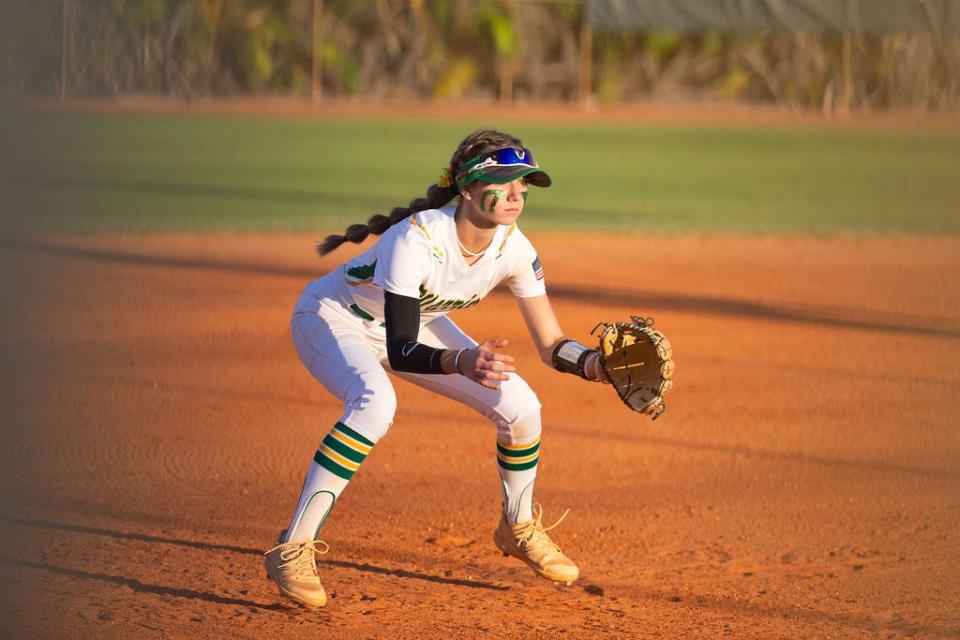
69, 173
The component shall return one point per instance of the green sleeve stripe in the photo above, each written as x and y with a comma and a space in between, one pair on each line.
347, 431
363, 271
332, 466
518, 454
518, 467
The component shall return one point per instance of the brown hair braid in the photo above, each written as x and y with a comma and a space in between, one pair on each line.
477, 143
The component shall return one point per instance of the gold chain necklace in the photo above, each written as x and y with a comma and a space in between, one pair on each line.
473, 254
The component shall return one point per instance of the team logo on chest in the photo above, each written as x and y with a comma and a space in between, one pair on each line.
433, 302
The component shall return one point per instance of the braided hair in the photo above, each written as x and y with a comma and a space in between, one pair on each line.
477, 143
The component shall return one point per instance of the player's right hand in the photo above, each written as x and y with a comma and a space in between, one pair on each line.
485, 366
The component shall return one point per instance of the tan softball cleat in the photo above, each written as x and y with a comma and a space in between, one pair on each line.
293, 567
529, 542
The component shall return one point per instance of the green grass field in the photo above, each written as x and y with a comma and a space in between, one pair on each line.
92, 173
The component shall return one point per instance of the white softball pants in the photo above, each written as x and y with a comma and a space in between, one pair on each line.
348, 356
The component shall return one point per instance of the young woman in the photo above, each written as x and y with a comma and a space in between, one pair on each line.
387, 309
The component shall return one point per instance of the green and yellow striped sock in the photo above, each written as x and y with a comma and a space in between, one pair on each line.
518, 456
518, 470
338, 458
342, 451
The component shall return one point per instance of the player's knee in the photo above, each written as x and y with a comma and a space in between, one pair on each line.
370, 409
519, 401
517, 416
525, 428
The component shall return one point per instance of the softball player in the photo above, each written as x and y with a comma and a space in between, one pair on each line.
387, 309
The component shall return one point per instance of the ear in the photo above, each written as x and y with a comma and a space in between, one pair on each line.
466, 195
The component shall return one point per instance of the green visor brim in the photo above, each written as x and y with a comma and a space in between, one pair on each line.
502, 175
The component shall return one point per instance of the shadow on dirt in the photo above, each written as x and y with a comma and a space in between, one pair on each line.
195, 544
403, 573
809, 314
822, 315
141, 587
204, 264
126, 535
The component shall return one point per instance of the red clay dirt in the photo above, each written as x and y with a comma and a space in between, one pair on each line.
803, 482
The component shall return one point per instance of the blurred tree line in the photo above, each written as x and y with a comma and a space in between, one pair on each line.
447, 49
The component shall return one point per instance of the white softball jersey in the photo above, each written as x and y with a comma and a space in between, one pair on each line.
337, 329
420, 257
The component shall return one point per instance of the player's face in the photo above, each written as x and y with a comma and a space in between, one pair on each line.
497, 203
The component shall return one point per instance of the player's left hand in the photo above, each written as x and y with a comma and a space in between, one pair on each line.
485, 366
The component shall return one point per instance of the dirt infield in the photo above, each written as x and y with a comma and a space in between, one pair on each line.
803, 482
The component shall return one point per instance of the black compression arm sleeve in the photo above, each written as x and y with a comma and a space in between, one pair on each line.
402, 317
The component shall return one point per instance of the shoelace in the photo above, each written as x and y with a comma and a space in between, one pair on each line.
300, 555
535, 527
